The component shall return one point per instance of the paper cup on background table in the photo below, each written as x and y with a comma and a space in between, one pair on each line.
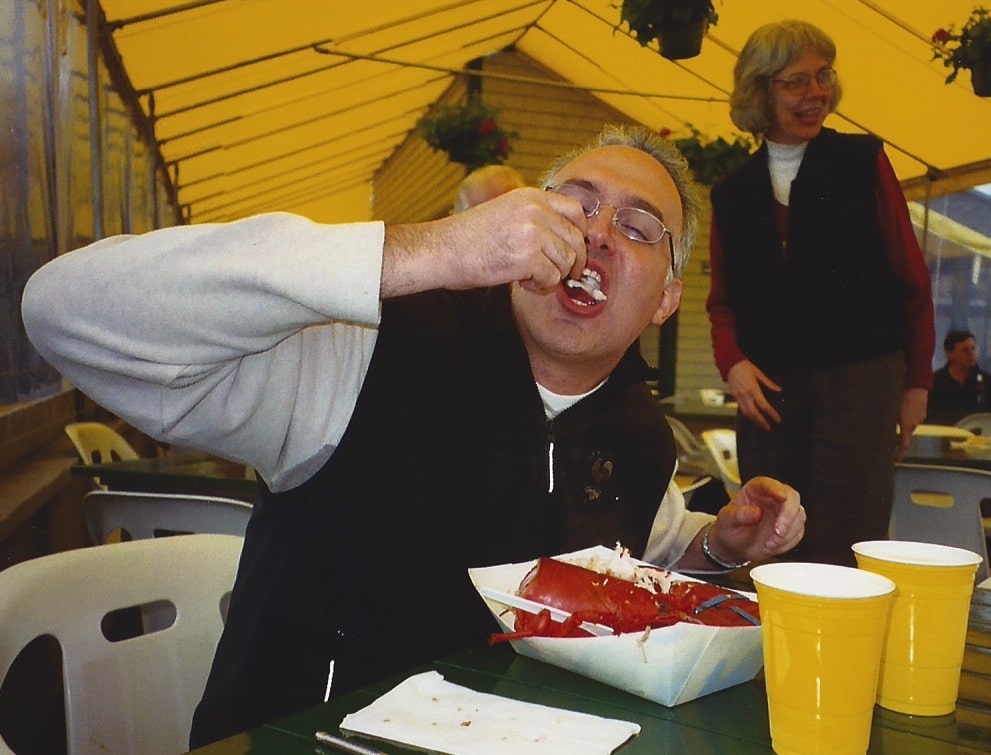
823, 634
712, 397
923, 650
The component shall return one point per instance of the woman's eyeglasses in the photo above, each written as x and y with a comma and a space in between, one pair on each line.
800, 82
636, 224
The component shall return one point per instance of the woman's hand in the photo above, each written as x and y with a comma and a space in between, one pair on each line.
747, 382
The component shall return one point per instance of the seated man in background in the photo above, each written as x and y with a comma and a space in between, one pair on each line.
485, 183
416, 399
960, 387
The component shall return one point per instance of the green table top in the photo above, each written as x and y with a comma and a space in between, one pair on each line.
731, 721
194, 473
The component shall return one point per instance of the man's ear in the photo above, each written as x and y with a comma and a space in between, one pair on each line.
669, 302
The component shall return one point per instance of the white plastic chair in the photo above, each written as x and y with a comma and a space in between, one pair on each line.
98, 443
139, 516
979, 424
135, 695
721, 443
941, 505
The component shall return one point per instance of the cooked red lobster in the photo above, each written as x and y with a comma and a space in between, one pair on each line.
590, 596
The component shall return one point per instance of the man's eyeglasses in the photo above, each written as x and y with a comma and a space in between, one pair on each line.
800, 82
636, 224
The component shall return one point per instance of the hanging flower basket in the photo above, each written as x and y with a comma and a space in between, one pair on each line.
469, 133
980, 76
679, 26
712, 159
970, 49
682, 39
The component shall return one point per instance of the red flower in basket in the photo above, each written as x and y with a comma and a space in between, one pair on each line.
469, 133
968, 48
941, 37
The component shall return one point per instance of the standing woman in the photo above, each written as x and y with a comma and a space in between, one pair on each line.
820, 301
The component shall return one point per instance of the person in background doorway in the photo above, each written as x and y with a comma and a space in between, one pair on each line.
485, 183
820, 300
960, 387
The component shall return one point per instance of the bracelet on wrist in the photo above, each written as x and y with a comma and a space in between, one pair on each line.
715, 560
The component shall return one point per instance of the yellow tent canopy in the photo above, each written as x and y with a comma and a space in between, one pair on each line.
308, 98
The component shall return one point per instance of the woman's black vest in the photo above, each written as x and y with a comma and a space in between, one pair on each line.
826, 294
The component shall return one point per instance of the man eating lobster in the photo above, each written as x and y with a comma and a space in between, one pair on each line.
416, 400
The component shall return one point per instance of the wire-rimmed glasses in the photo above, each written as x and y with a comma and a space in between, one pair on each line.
636, 224
800, 82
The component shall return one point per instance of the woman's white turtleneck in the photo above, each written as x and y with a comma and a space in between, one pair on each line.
783, 161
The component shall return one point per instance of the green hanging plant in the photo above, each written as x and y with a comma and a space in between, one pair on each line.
469, 133
678, 25
712, 159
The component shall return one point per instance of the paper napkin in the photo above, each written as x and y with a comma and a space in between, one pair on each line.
428, 712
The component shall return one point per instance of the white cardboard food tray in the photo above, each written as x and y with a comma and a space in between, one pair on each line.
670, 665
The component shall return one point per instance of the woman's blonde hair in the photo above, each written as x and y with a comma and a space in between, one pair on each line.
768, 50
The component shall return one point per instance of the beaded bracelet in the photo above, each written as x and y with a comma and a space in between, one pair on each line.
711, 557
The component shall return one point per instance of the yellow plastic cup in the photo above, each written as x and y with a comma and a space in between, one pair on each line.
923, 650
823, 630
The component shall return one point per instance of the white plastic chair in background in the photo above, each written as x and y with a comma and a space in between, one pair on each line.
139, 516
135, 695
721, 443
115, 515
98, 443
941, 505
689, 445
979, 424
695, 465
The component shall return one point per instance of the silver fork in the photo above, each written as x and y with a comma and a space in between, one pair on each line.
715, 600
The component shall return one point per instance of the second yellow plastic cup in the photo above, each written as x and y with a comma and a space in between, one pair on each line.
823, 630
923, 650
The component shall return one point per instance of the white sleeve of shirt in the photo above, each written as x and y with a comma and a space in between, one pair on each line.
674, 529
249, 339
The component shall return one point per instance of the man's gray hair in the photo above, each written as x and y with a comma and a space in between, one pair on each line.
664, 152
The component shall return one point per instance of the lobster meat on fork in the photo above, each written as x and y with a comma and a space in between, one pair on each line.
651, 599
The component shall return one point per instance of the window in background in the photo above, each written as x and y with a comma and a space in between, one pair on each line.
60, 188
956, 237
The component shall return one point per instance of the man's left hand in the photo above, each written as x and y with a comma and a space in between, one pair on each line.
763, 520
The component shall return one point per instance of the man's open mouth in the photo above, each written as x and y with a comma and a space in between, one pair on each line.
587, 290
